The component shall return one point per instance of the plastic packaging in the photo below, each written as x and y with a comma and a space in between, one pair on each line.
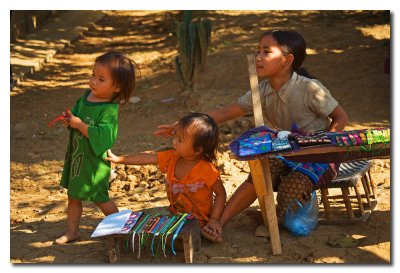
304, 220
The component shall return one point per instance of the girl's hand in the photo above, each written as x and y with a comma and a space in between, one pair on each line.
165, 130
72, 120
65, 121
112, 157
215, 225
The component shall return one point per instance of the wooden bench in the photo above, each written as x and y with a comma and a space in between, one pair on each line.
189, 235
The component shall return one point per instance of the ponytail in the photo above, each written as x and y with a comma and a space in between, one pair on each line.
303, 72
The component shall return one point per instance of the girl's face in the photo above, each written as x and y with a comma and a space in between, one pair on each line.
269, 60
183, 143
101, 83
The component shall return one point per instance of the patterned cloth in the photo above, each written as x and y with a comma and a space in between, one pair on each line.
312, 139
281, 144
258, 143
312, 170
234, 146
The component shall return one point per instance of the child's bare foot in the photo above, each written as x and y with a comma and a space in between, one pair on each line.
66, 238
212, 235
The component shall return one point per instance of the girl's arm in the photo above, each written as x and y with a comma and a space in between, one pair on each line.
219, 204
339, 119
226, 113
133, 159
77, 123
221, 115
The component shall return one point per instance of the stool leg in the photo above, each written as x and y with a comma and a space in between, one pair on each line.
366, 190
345, 193
367, 183
360, 203
325, 202
372, 182
188, 249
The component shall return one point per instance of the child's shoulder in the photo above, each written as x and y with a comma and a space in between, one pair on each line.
209, 167
309, 84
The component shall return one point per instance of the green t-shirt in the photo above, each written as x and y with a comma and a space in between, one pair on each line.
86, 173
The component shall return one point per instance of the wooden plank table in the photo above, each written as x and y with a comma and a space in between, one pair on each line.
261, 174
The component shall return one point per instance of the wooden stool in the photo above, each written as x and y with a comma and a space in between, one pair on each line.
351, 175
190, 236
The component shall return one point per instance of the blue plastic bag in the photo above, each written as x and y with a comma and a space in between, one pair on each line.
304, 220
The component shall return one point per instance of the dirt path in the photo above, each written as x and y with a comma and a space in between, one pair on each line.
346, 50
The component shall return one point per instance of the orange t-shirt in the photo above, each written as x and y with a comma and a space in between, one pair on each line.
193, 193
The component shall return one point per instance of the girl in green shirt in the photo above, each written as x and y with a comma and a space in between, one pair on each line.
93, 124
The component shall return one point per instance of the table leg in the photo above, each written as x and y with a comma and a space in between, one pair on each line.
113, 249
261, 174
188, 248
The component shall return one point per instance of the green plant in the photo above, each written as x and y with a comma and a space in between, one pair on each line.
193, 42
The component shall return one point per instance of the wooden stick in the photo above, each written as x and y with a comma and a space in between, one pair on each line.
260, 170
255, 91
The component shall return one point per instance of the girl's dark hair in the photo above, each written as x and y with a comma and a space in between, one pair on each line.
291, 42
122, 71
205, 133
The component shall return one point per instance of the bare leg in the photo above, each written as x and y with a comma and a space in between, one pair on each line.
107, 207
241, 199
74, 216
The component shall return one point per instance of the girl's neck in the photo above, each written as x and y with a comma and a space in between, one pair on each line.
279, 81
93, 98
190, 160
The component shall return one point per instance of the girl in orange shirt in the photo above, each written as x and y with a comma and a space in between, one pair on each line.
192, 179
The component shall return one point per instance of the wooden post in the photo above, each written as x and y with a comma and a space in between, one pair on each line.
255, 91
260, 170
188, 248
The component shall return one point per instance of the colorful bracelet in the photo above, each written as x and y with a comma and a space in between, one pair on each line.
353, 140
370, 139
345, 142
363, 138
359, 141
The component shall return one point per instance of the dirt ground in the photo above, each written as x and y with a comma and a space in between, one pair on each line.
347, 51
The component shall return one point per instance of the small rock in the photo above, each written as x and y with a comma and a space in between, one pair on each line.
33, 155
113, 175
134, 100
121, 175
139, 189
132, 178
136, 196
